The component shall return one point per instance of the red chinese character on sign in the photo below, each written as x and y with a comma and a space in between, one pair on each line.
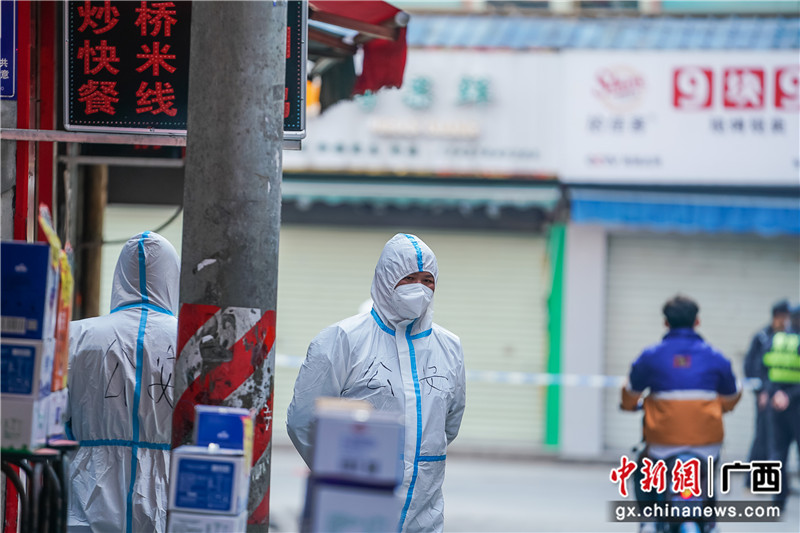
691, 88
87, 12
686, 477
158, 100
787, 88
743, 88
155, 16
620, 475
287, 106
155, 58
86, 52
103, 55
108, 14
99, 96
654, 476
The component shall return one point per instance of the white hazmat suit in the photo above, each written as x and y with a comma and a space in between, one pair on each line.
121, 395
397, 359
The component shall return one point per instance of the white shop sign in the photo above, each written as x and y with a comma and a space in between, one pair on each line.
692, 117
458, 112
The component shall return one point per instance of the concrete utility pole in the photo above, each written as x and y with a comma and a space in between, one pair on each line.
232, 201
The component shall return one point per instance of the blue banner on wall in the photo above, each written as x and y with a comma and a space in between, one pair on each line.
8, 49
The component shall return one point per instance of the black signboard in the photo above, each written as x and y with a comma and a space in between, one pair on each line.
294, 107
127, 67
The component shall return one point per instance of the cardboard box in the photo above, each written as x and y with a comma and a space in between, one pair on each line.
24, 423
358, 445
206, 480
337, 508
29, 273
206, 523
57, 410
26, 368
227, 427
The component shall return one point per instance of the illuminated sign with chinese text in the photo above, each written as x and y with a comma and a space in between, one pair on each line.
294, 107
127, 67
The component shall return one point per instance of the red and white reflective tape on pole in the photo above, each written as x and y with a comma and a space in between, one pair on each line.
226, 357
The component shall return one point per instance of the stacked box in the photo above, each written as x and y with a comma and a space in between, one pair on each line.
366, 450
353, 509
208, 480
37, 289
29, 275
356, 466
27, 369
24, 423
207, 523
30, 290
226, 427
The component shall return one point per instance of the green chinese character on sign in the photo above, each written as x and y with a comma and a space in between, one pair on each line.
367, 101
419, 94
473, 91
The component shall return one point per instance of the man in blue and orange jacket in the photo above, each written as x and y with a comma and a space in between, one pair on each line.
690, 383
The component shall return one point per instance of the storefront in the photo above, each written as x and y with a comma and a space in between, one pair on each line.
683, 178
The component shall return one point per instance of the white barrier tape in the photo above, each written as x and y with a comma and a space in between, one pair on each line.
527, 378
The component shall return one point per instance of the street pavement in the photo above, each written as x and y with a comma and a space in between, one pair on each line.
512, 495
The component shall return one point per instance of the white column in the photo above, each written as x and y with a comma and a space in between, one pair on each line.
583, 339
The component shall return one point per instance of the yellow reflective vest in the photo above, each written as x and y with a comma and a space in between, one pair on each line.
783, 360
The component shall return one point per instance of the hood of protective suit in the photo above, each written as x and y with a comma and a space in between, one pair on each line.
148, 271
404, 254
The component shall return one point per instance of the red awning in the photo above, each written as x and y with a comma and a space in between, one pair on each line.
381, 35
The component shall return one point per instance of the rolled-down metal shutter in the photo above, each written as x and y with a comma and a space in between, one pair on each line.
734, 279
492, 293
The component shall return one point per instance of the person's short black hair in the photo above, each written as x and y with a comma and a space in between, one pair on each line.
680, 312
780, 308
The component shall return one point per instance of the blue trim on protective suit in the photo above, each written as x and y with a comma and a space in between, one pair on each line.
126, 443
143, 269
68, 430
381, 325
432, 458
137, 390
422, 334
415, 378
419, 251
139, 305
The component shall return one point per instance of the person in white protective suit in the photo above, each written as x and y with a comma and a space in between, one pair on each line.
396, 358
121, 395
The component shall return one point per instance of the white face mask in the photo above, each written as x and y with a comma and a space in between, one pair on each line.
411, 300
